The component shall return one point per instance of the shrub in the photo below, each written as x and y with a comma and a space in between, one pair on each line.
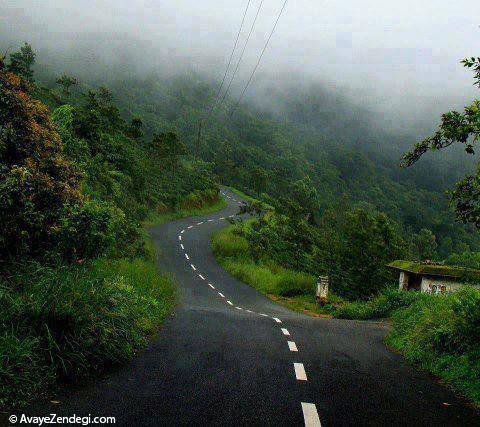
442, 335
381, 306
95, 229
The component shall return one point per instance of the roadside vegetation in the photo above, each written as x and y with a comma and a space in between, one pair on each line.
79, 288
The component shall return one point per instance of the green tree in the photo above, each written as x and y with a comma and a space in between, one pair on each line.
458, 128
168, 147
424, 245
21, 62
134, 129
357, 246
259, 179
66, 82
37, 182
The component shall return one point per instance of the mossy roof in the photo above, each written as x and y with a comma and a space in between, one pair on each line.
434, 269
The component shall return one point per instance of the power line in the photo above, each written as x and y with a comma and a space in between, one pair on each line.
259, 59
243, 52
217, 96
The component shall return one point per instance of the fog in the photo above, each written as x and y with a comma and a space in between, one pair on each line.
398, 58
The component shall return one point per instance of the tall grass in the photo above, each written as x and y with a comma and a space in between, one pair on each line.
233, 253
442, 335
66, 323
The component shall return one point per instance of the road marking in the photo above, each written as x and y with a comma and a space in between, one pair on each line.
181, 245
223, 296
264, 315
277, 320
231, 216
230, 302
292, 346
213, 287
222, 217
201, 277
179, 237
200, 223
300, 372
186, 256
211, 220
285, 332
190, 226
310, 415
249, 311
239, 308
194, 269
183, 231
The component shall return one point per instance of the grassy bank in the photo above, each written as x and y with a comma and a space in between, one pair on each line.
442, 336
290, 288
66, 323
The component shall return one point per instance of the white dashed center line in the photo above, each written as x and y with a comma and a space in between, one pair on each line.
292, 346
310, 415
300, 372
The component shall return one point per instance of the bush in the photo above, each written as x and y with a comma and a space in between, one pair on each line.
442, 335
96, 229
381, 306
69, 322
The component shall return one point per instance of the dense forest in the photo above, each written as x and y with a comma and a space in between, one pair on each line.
293, 133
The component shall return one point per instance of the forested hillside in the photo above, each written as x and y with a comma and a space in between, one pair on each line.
348, 155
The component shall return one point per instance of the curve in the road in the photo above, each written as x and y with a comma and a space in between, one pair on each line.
309, 410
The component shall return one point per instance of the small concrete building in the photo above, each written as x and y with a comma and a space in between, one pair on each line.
431, 278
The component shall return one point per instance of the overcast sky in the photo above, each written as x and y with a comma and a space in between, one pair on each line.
393, 54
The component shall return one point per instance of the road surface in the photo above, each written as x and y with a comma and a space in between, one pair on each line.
229, 356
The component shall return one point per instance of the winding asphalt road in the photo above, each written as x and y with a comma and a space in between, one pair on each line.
229, 356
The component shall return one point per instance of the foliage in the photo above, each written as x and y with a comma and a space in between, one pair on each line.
378, 307
232, 251
357, 250
467, 259
68, 322
21, 62
66, 82
442, 335
458, 128
37, 181
423, 245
